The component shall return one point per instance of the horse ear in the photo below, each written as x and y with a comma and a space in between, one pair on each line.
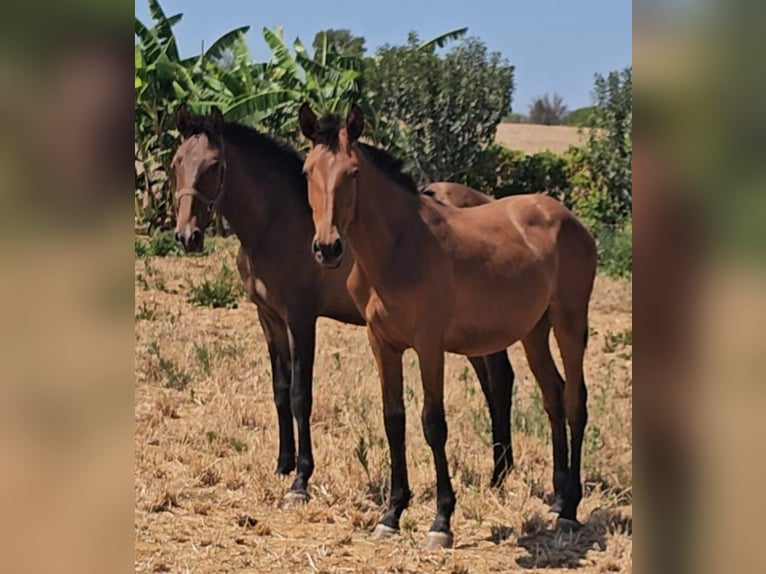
183, 120
216, 120
308, 121
354, 123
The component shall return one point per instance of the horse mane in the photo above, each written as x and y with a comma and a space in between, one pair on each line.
278, 154
390, 165
393, 167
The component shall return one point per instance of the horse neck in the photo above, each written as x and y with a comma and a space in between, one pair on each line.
383, 213
254, 198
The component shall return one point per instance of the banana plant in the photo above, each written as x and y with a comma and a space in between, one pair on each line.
162, 81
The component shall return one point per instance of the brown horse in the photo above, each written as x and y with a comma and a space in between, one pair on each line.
257, 184
435, 278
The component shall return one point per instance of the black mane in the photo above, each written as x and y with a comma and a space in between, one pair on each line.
390, 165
327, 134
277, 154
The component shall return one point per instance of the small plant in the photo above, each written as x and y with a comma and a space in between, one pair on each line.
145, 313
230, 350
142, 282
221, 292
482, 425
361, 451
203, 357
162, 244
592, 441
237, 445
613, 341
531, 418
142, 249
174, 378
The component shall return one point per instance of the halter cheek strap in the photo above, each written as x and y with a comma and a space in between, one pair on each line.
211, 203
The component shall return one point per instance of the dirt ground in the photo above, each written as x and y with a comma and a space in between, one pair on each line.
207, 498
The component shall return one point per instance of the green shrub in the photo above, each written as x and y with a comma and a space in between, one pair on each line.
221, 292
439, 110
581, 117
615, 249
610, 146
503, 172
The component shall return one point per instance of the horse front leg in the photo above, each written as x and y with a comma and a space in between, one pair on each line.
389, 362
275, 332
302, 337
435, 430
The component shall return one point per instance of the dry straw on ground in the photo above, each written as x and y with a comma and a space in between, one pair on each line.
207, 499
531, 138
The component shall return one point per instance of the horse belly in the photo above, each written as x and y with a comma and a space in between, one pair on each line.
490, 322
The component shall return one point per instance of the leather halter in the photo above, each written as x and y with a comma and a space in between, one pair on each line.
211, 203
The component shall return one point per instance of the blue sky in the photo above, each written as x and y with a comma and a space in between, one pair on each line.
556, 45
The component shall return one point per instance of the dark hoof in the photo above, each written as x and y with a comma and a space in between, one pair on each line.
294, 498
435, 539
567, 525
383, 532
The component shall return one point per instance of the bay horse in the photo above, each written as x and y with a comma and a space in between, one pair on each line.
435, 278
257, 184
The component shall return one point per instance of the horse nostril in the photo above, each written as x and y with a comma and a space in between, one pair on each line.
178, 237
195, 236
315, 246
337, 247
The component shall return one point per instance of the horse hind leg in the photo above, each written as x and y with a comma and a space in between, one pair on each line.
537, 348
496, 377
570, 326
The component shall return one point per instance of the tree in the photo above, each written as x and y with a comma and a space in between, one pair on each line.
547, 111
342, 41
162, 80
581, 117
610, 143
439, 112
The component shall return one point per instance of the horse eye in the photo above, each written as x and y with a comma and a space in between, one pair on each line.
354, 173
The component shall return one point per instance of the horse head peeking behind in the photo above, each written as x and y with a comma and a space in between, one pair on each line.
331, 171
197, 175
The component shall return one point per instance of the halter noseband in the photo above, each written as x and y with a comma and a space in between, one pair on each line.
211, 203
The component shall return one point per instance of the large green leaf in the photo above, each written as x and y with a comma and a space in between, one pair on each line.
225, 42
259, 104
163, 27
281, 52
150, 44
443, 39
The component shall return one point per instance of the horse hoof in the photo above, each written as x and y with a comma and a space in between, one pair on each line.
382, 532
294, 497
439, 540
567, 525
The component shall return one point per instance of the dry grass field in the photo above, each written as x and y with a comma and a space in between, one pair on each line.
532, 138
207, 499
